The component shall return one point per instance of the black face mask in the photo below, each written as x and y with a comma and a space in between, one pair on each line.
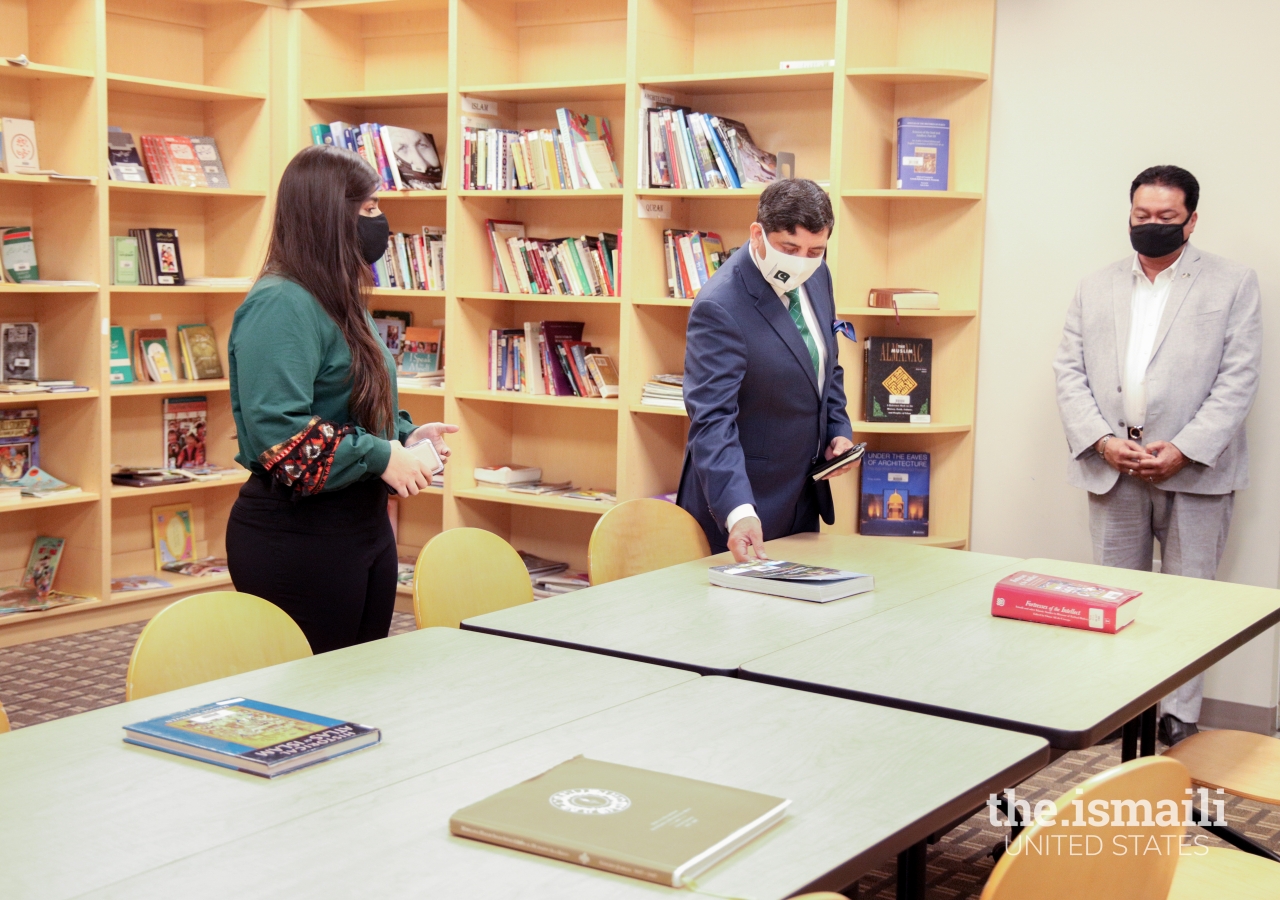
374, 234
1155, 240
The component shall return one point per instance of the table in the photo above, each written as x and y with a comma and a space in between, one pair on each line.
865, 781
674, 617
948, 656
80, 809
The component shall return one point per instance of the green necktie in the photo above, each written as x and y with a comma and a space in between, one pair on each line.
797, 316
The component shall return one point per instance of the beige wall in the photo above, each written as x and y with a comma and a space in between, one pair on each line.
1086, 95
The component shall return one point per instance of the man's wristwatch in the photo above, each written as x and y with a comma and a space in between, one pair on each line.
1101, 446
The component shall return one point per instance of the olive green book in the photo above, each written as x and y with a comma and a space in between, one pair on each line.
661, 828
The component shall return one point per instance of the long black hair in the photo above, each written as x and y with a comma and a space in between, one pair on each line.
315, 242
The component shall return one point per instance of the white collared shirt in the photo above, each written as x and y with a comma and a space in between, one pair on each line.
1146, 311
811, 322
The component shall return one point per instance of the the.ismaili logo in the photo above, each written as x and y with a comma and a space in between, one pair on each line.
590, 801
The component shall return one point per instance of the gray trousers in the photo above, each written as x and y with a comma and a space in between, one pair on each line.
1192, 531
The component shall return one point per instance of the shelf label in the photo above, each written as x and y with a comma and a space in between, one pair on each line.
106, 325
647, 208
156, 317
477, 107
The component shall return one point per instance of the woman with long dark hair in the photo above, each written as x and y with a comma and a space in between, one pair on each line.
313, 393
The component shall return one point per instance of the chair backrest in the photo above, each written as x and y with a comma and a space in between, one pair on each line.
4, 720
208, 636
639, 536
1121, 857
465, 572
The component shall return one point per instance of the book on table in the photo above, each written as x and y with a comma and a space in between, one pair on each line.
253, 737
1052, 600
648, 825
798, 581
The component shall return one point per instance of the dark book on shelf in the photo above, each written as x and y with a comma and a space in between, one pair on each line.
897, 379
210, 160
19, 443
895, 494
160, 256
560, 375
124, 162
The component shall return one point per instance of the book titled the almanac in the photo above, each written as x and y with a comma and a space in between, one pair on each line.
1051, 600
924, 149
648, 825
897, 379
895, 494
252, 737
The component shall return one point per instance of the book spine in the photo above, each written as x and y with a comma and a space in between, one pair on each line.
554, 848
1012, 602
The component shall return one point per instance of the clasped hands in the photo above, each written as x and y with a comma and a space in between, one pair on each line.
1154, 463
747, 535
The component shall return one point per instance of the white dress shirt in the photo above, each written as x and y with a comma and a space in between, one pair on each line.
1146, 311
810, 321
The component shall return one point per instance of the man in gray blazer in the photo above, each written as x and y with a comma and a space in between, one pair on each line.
1157, 370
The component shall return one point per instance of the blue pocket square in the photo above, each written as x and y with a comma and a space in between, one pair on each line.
845, 328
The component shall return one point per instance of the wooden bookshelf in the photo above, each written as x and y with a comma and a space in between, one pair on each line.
257, 75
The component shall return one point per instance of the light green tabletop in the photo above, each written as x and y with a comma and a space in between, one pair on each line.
675, 617
865, 782
946, 654
80, 809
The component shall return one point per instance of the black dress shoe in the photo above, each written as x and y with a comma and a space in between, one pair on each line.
1172, 730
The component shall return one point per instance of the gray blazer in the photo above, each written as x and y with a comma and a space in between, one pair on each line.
1201, 380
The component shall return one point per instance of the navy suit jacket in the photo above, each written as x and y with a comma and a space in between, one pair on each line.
757, 419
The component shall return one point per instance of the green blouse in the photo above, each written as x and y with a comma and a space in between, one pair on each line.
288, 363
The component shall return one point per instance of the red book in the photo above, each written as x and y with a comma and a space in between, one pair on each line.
1051, 600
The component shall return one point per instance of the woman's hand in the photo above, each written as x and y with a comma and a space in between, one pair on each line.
436, 432
405, 472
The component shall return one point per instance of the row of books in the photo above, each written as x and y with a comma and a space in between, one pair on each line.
575, 267
666, 391
413, 262
150, 256
692, 257
405, 159
146, 357
549, 358
688, 150
576, 155
20, 471
174, 159
34, 591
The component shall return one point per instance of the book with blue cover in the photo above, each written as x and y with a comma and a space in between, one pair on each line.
252, 737
895, 494
923, 153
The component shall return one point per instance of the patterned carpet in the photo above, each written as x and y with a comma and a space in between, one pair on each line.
63, 676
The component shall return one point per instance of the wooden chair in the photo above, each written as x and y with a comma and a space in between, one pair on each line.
4, 720
639, 536
208, 636
465, 572
1040, 865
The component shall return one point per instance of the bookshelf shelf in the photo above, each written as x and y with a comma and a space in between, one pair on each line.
170, 388
875, 312
751, 82
397, 292
30, 503
750, 193
125, 289
658, 410
428, 97
125, 492
15, 178
910, 75
176, 90
893, 194
549, 92
663, 301
130, 187
537, 501
535, 298
29, 288
411, 195
180, 584
60, 397
944, 541
416, 391
588, 403
557, 194
907, 428
42, 72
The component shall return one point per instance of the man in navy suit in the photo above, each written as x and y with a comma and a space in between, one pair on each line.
762, 384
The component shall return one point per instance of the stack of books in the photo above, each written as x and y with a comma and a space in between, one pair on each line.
576, 155
550, 577
178, 160
20, 459
690, 150
573, 267
152, 360
405, 159
413, 262
421, 379
549, 358
666, 391
692, 258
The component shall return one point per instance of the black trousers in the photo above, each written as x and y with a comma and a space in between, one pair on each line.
329, 561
